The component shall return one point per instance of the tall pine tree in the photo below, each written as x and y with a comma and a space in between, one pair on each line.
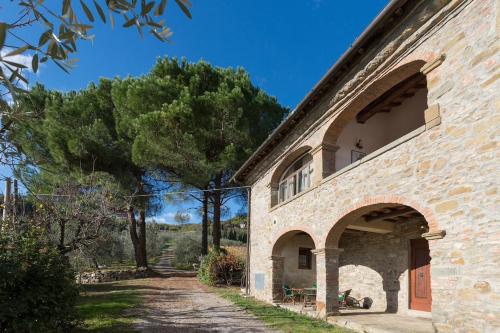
78, 132
202, 122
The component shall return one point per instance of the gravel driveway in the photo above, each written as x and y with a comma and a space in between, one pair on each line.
177, 302
182, 304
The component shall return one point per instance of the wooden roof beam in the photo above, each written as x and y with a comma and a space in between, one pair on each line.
392, 97
388, 215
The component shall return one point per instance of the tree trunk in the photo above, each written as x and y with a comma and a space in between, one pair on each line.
204, 224
62, 234
216, 228
142, 258
94, 261
133, 233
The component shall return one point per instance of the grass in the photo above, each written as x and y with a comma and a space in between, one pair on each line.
279, 318
103, 307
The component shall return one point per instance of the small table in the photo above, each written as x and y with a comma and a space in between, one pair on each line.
297, 292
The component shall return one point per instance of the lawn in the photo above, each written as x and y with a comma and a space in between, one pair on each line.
279, 318
103, 307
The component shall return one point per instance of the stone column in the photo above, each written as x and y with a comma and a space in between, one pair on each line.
323, 161
445, 280
274, 193
327, 275
277, 271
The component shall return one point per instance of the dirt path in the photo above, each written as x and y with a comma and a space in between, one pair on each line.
182, 304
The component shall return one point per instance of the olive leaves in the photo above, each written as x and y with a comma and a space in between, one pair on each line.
64, 26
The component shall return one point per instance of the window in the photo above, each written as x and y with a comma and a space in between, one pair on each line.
305, 258
297, 178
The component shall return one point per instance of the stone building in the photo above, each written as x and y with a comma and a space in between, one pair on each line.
384, 179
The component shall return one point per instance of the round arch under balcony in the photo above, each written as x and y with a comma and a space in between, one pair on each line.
392, 211
383, 98
293, 264
385, 256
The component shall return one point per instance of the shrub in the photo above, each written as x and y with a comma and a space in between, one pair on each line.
37, 285
219, 267
206, 272
187, 251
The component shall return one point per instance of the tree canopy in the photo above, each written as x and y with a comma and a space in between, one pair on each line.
76, 132
51, 32
197, 121
185, 122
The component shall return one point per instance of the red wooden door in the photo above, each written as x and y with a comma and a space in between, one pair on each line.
420, 276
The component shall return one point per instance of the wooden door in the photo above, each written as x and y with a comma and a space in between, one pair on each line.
420, 276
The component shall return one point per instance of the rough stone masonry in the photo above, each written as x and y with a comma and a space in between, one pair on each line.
447, 170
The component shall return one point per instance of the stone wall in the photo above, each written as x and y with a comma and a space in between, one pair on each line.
113, 275
448, 171
376, 266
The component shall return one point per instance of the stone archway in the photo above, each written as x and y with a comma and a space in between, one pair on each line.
363, 204
368, 249
386, 110
280, 169
371, 93
292, 261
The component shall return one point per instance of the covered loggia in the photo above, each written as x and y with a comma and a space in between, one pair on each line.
378, 252
390, 110
293, 262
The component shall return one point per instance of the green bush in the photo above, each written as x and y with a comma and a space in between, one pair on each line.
207, 273
219, 267
187, 251
37, 285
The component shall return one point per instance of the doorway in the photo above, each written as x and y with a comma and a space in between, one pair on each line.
420, 276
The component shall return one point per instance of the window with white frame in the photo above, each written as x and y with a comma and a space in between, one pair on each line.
297, 178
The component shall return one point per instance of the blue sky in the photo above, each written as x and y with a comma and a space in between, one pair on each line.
286, 46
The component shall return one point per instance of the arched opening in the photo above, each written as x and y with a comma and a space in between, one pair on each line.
292, 176
296, 179
384, 261
294, 265
389, 109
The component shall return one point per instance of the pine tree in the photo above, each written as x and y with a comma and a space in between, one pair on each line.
78, 132
202, 123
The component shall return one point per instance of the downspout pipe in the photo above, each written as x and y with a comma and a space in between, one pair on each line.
247, 268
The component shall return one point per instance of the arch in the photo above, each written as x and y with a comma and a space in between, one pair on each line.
366, 253
370, 94
285, 236
286, 162
292, 261
367, 204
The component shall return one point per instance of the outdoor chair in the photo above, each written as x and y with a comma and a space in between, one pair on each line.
309, 298
362, 303
288, 294
343, 298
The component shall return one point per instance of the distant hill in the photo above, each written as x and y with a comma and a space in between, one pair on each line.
231, 228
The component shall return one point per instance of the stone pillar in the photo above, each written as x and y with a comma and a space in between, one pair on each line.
274, 193
277, 271
323, 161
432, 116
445, 280
327, 275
